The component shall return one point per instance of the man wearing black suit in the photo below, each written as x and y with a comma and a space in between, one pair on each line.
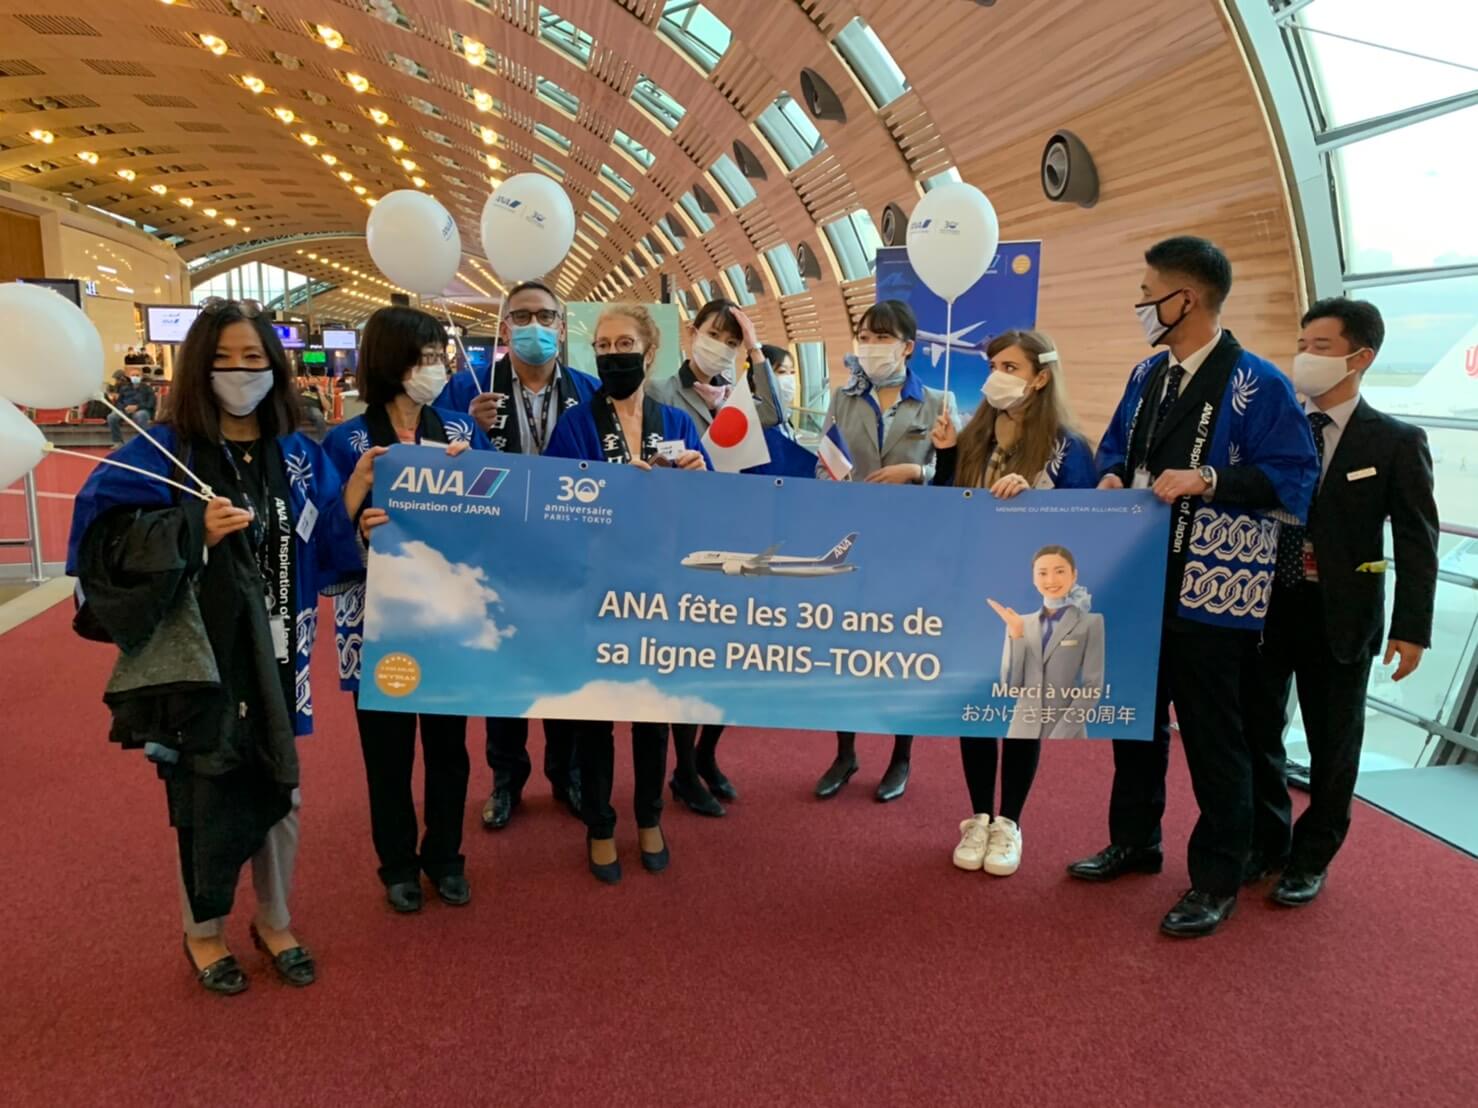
1327, 613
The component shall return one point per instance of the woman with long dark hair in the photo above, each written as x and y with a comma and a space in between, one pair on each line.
402, 369
213, 603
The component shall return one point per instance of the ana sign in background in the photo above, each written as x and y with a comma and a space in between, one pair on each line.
580, 325
506, 585
1003, 300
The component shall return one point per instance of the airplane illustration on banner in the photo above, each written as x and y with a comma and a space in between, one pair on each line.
936, 343
768, 564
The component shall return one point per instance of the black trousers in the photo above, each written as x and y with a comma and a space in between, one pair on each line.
508, 753
1203, 671
902, 745
388, 740
1331, 695
1018, 763
692, 748
595, 752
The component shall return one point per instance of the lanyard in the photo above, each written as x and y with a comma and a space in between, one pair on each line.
538, 429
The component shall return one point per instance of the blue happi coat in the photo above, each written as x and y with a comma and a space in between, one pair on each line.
329, 556
467, 385
1225, 552
344, 445
575, 436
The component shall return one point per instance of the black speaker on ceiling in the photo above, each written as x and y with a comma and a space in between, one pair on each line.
808, 263
706, 203
821, 99
894, 225
752, 281
1068, 173
748, 162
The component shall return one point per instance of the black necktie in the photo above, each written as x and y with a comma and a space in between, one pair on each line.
1172, 394
1290, 566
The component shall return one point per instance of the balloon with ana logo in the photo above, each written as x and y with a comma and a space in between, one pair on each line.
952, 237
414, 241
52, 355
21, 443
528, 225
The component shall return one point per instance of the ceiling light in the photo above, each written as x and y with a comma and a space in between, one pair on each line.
475, 51
331, 38
345, 176
489, 136
211, 212
309, 140
408, 165
158, 190
43, 136
284, 114
256, 84
216, 46
329, 159
246, 228
395, 144
186, 202
299, 251
312, 257
357, 83
419, 182
229, 222
379, 117
371, 201
127, 174
493, 162
88, 156
483, 100
360, 190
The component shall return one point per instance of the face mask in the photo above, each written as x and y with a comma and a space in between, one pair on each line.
715, 358
239, 391
621, 374
535, 344
1316, 374
786, 384
134, 378
1003, 391
425, 383
1155, 331
882, 363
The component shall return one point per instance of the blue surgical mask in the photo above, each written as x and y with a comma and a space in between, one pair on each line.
535, 344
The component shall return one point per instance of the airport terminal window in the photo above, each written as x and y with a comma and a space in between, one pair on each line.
787, 271
551, 93
564, 36
869, 59
735, 275
669, 238
656, 102
790, 132
590, 219
551, 136
611, 177
950, 174
815, 385
633, 149
696, 31
735, 185
541, 162
695, 213
605, 205
855, 241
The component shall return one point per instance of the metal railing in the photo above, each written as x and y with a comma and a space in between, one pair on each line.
32, 539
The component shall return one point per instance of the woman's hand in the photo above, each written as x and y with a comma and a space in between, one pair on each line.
361, 480
455, 448
1111, 481
746, 328
223, 518
372, 518
690, 459
1015, 625
637, 463
903, 473
944, 436
1013, 484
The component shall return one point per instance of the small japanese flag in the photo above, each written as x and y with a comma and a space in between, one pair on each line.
735, 440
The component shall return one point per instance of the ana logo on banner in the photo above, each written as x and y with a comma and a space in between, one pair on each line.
448, 482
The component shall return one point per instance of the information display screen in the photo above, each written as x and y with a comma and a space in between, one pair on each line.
168, 323
291, 335
341, 340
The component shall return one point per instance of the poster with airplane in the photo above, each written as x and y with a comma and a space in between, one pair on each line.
1004, 299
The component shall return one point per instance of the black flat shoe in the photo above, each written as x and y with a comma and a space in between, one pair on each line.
1115, 861
606, 874
1295, 889
405, 896
833, 779
695, 796
224, 976
294, 965
719, 785
656, 861
894, 782
454, 890
499, 809
1197, 914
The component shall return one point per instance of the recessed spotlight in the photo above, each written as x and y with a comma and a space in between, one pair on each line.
127, 174
360, 190
357, 83
229, 222
474, 51
43, 136
331, 38
489, 136
215, 45
158, 190
379, 117
186, 202
256, 84
88, 156
309, 140
345, 176
329, 159
408, 165
211, 212
285, 114
395, 144
419, 182
483, 100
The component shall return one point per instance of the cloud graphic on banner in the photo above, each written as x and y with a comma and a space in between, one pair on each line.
635, 700
418, 588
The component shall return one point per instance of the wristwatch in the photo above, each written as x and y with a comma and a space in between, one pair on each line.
1208, 475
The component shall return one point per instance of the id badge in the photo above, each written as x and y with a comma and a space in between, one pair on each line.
279, 634
307, 518
1311, 565
672, 449
1142, 479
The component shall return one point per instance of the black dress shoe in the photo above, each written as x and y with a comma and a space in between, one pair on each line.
454, 890
839, 774
696, 796
719, 785
1295, 889
656, 861
1197, 914
1115, 861
609, 874
293, 965
405, 896
223, 976
499, 809
1262, 866
894, 782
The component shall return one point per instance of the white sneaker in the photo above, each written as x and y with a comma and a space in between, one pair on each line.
974, 842
1003, 849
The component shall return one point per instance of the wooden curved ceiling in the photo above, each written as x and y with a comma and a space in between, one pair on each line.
1158, 88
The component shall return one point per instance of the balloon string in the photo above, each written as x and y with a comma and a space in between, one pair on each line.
452, 327
949, 328
157, 444
50, 449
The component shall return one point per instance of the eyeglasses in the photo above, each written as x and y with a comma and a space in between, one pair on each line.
522, 317
624, 345
214, 305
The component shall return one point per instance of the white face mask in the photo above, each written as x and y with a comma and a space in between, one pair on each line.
1003, 391
425, 383
715, 358
785, 382
882, 362
239, 391
1316, 374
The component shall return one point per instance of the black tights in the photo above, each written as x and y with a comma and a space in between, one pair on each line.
847, 746
694, 751
1018, 769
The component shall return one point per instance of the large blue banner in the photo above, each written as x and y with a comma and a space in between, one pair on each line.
1004, 299
506, 585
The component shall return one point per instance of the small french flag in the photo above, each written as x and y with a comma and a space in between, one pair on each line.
832, 450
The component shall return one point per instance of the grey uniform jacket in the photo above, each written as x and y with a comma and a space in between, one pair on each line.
906, 440
1072, 666
675, 394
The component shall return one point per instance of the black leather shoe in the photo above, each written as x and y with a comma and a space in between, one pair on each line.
657, 861
405, 896
839, 774
454, 890
1262, 866
1197, 914
1115, 861
719, 785
893, 783
499, 809
223, 976
607, 874
294, 965
696, 796
1295, 889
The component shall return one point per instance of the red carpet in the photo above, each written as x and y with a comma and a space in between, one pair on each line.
797, 952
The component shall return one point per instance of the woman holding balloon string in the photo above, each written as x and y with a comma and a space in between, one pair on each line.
1023, 437
623, 425
213, 599
401, 371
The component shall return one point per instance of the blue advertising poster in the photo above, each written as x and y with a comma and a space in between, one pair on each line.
1004, 299
506, 585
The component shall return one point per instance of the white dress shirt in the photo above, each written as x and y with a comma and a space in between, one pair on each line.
1340, 414
541, 403
1192, 362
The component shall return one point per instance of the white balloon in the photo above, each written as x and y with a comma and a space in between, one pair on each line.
528, 225
952, 237
51, 355
21, 441
414, 241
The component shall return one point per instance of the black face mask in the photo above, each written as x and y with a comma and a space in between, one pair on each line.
621, 374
